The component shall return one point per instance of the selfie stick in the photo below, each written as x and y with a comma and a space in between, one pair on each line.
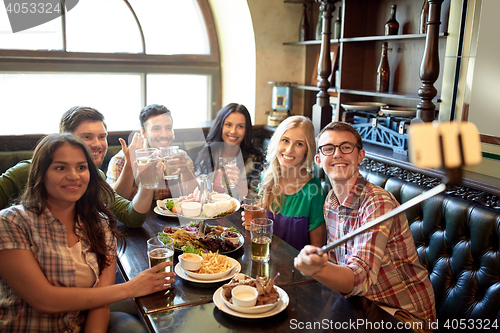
398, 210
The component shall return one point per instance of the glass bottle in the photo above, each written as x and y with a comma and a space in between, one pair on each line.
424, 15
319, 26
392, 26
204, 190
304, 25
383, 71
336, 25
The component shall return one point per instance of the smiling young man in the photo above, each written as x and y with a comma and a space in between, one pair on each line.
88, 124
157, 129
381, 264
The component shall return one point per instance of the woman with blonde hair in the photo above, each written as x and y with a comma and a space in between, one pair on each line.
292, 197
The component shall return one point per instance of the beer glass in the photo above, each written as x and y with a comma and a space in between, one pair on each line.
225, 162
171, 167
252, 204
160, 249
261, 233
147, 159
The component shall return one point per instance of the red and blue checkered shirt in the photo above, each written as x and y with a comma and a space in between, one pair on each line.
384, 260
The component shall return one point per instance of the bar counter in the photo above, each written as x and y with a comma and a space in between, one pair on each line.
188, 306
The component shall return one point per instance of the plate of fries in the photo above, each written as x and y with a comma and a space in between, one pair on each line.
213, 266
182, 274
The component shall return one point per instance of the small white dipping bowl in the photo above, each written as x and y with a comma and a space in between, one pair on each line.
190, 261
235, 240
220, 197
244, 296
191, 208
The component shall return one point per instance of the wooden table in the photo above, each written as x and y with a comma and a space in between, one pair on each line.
188, 306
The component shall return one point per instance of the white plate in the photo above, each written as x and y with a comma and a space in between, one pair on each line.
238, 205
252, 309
282, 304
163, 212
399, 111
363, 106
215, 276
181, 273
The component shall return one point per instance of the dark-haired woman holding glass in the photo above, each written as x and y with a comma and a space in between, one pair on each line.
58, 249
231, 136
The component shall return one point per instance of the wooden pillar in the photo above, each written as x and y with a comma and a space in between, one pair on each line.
322, 110
429, 68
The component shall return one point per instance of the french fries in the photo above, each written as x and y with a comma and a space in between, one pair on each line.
182, 236
214, 263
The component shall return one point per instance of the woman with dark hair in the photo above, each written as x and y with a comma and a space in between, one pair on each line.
231, 136
58, 248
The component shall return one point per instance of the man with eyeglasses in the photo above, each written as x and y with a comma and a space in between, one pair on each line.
381, 264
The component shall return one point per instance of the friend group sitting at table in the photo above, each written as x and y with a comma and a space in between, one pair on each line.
65, 236
62, 179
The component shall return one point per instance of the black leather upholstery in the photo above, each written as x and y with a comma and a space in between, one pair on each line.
458, 241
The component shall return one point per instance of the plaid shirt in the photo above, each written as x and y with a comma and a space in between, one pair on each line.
384, 259
115, 168
45, 236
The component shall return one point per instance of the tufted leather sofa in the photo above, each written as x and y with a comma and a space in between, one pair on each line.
458, 241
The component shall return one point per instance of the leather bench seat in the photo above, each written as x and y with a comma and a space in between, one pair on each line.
458, 242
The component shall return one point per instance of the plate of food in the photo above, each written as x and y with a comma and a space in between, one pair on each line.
164, 212
189, 238
363, 106
277, 299
188, 207
235, 268
213, 266
267, 299
398, 111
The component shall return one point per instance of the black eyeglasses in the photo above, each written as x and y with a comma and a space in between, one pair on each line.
345, 148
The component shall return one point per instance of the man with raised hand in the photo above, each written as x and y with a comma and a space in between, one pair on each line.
157, 132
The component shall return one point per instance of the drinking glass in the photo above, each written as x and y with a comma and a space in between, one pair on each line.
260, 269
225, 162
147, 159
160, 249
261, 233
171, 165
252, 205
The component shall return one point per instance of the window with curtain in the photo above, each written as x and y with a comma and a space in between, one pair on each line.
117, 59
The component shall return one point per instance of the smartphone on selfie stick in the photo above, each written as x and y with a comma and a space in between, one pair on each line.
436, 145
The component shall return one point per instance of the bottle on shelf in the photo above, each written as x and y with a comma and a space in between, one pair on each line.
424, 15
392, 26
304, 25
383, 71
337, 25
319, 26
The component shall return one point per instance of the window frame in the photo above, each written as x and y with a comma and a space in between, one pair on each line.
44, 61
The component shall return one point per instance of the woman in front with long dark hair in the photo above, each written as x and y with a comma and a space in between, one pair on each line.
231, 136
58, 248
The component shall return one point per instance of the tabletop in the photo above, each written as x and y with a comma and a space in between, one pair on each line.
134, 259
189, 307
312, 308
